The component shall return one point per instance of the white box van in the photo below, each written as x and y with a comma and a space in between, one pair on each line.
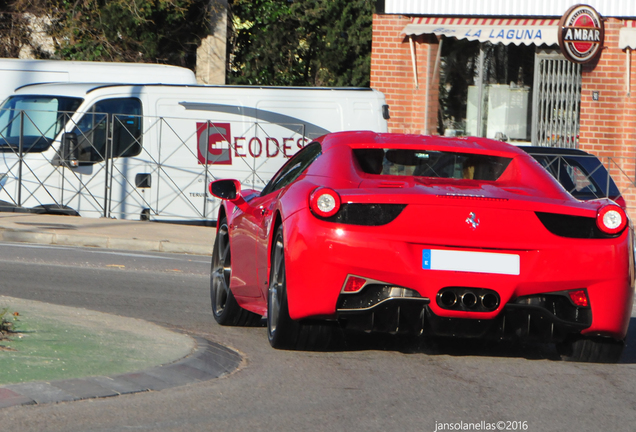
149, 151
15, 73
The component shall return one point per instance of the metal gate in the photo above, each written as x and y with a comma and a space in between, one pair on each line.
556, 101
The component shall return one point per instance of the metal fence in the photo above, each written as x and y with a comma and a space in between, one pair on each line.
133, 167
130, 166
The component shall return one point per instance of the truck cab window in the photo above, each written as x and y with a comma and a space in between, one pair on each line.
35, 119
122, 116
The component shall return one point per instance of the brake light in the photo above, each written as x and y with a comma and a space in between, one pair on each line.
324, 202
611, 219
354, 284
579, 298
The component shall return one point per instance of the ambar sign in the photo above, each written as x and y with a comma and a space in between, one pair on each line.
581, 34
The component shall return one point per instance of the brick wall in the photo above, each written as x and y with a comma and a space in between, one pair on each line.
413, 107
608, 126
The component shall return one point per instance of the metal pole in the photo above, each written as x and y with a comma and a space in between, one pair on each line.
63, 165
480, 90
205, 182
65, 158
20, 157
438, 59
109, 152
413, 62
535, 92
159, 163
106, 171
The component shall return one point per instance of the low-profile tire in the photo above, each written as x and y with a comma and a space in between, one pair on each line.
282, 331
225, 308
592, 349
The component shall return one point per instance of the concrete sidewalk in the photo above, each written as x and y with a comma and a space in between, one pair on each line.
106, 233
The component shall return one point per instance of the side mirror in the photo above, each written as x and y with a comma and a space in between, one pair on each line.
226, 189
230, 190
69, 150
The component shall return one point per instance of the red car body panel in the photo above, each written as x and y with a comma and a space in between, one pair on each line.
397, 261
321, 254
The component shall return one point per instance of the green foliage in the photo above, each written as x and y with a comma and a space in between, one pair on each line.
158, 31
309, 42
6, 322
151, 31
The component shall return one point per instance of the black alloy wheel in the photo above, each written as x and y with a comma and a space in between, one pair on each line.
225, 309
282, 331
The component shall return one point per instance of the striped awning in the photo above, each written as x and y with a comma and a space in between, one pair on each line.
496, 30
627, 35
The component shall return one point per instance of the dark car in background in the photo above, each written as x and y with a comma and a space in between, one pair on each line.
581, 173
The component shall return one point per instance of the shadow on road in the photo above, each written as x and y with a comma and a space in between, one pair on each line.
355, 341
360, 341
629, 354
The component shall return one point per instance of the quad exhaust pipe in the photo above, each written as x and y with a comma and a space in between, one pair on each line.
468, 299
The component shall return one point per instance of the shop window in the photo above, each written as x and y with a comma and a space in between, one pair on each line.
486, 90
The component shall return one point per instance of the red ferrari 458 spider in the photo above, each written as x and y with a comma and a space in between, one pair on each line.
460, 237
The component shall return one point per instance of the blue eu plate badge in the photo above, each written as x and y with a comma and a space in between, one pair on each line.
426, 259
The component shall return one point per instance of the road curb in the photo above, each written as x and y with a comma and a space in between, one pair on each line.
174, 247
25, 236
105, 242
208, 361
83, 240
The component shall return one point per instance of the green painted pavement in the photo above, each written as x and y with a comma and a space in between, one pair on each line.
57, 342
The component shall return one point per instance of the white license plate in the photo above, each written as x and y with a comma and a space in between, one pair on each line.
477, 262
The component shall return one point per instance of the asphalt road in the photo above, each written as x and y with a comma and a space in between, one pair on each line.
373, 386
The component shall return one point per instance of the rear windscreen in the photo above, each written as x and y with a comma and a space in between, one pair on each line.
408, 162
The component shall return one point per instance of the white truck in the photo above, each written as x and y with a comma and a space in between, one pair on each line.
15, 73
149, 151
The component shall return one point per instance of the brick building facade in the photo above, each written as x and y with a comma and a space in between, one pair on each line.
407, 69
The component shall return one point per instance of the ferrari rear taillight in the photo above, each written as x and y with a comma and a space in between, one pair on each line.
353, 284
611, 219
579, 298
324, 202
